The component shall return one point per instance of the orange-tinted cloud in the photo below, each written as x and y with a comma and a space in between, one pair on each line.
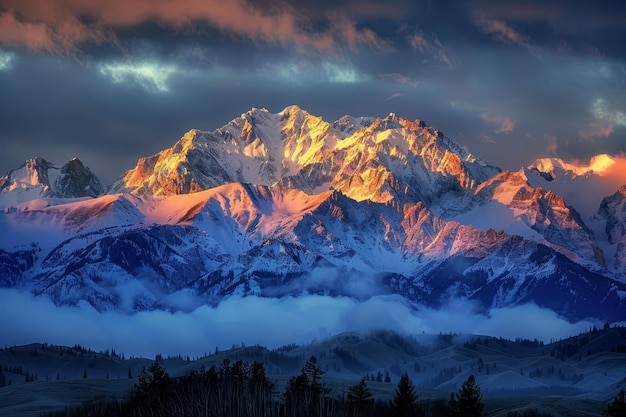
399, 78
394, 96
34, 36
604, 122
60, 25
596, 129
433, 47
504, 33
503, 124
46, 28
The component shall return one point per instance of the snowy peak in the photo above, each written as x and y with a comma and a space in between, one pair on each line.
394, 158
76, 180
598, 164
33, 173
267, 240
509, 202
613, 209
347, 125
28, 182
33, 181
258, 147
364, 158
283, 203
611, 218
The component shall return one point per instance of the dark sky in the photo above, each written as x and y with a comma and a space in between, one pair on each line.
111, 81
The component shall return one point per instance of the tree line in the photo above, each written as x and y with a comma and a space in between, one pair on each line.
240, 389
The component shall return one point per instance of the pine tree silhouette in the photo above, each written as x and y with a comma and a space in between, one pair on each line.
617, 408
360, 398
404, 401
468, 401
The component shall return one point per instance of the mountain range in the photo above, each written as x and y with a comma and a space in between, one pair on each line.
283, 204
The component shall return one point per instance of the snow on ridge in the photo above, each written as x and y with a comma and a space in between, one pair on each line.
283, 193
38, 178
297, 148
598, 164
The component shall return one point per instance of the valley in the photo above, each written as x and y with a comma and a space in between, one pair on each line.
576, 376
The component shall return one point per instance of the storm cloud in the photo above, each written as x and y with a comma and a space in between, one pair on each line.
509, 81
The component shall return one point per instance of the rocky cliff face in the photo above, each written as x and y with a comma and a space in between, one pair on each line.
365, 158
287, 203
76, 180
39, 179
29, 181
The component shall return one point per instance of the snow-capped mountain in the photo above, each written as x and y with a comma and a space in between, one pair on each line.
122, 251
76, 180
612, 213
581, 185
589, 187
556, 167
285, 203
508, 202
28, 182
33, 181
365, 158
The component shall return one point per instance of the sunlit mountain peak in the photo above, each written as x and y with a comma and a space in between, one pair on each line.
601, 163
260, 204
597, 165
366, 158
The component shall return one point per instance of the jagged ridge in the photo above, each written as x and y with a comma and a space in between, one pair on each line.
277, 204
365, 158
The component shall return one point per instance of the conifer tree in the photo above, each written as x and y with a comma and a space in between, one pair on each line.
313, 371
617, 408
405, 398
296, 396
453, 406
152, 386
360, 399
468, 400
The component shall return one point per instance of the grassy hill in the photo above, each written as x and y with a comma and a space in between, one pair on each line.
571, 377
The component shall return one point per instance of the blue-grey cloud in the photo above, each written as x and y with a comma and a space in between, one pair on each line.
498, 78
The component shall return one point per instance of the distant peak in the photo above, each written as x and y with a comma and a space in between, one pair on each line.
597, 164
74, 162
38, 161
254, 110
392, 117
393, 121
77, 180
290, 109
600, 163
32, 174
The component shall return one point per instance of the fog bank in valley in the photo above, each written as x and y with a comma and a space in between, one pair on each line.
271, 322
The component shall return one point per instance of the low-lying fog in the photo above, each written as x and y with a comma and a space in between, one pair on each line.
271, 322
